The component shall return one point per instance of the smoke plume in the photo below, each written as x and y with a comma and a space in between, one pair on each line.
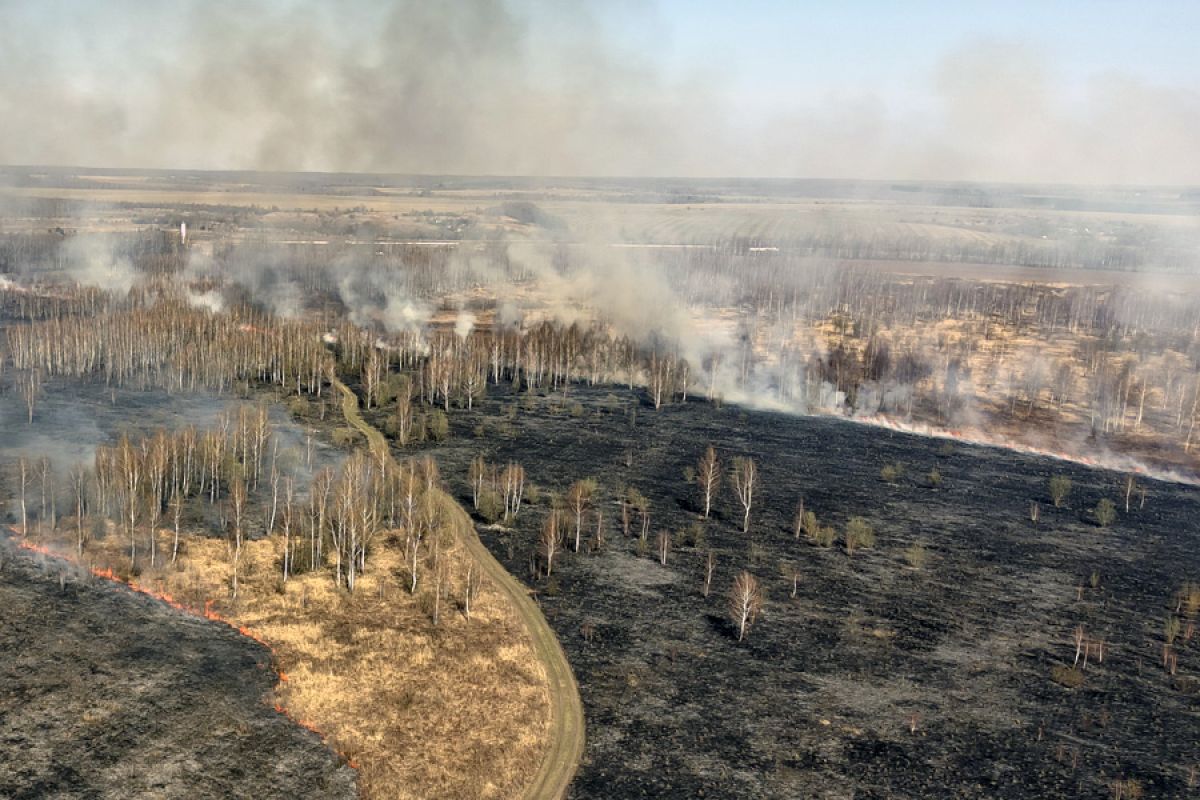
522, 87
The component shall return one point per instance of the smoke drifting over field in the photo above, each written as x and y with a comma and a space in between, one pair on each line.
529, 88
91, 261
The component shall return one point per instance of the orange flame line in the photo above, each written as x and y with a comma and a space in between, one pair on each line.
207, 613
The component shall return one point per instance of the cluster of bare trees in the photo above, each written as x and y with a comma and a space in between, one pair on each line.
564, 524
138, 481
54, 252
743, 477
173, 346
145, 485
43, 303
447, 370
872, 341
547, 355
142, 484
348, 509
497, 492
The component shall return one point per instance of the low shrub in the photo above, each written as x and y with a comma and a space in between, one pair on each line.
1069, 677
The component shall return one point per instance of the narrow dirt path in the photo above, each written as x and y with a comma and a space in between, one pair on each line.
566, 734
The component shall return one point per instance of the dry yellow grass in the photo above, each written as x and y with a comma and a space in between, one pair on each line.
457, 710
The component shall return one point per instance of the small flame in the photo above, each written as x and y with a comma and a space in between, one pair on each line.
206, 612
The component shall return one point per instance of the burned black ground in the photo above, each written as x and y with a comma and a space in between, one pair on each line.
105, 693
878, 679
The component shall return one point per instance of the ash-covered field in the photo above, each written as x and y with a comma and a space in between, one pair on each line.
105, 693
879, 679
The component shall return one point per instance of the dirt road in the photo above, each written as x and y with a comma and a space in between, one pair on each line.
566, 710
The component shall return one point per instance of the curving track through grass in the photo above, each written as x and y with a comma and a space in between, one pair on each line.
566, 735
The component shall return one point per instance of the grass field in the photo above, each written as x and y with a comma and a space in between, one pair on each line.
922, 225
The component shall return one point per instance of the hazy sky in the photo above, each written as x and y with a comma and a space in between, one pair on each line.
1086, 91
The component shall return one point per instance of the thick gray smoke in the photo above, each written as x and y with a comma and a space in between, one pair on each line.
405, 86
528, 87
93, 261
373, 292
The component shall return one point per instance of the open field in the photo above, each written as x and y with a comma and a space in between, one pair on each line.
923, 666
1060, 277
990, 642
111, 694
369, 670
382, 685
1056, 227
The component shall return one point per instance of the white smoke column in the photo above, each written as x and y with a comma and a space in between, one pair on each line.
91, 261
464, 324
211, 300
402, 314
509, 316
976, 436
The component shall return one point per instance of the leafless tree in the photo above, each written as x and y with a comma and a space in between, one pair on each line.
745, 480
24, 476
708, 475
403, 418
550, 541
710, 567
130, 466
237, 510
372, 376
30, 386
791, 571
513, 479
156, 453
661, 372
471, 586
663, 546
579, 499
477, 475
288, 520
79, 482
745, 602
176, 517
48, 511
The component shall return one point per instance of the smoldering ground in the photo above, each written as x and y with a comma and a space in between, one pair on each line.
113, 693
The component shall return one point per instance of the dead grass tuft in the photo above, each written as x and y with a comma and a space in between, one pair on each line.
457, 710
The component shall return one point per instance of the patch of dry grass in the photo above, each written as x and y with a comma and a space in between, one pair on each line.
457, 710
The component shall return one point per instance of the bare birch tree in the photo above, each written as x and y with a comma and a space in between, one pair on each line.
708, 476
745, 603
745, 481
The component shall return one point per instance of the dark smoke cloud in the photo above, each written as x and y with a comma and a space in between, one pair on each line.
405, 86
528, 87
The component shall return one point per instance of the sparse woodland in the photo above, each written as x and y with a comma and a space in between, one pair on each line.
321, 560
1115, 363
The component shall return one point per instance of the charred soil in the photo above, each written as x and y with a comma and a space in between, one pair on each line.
924, 666
106, 693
